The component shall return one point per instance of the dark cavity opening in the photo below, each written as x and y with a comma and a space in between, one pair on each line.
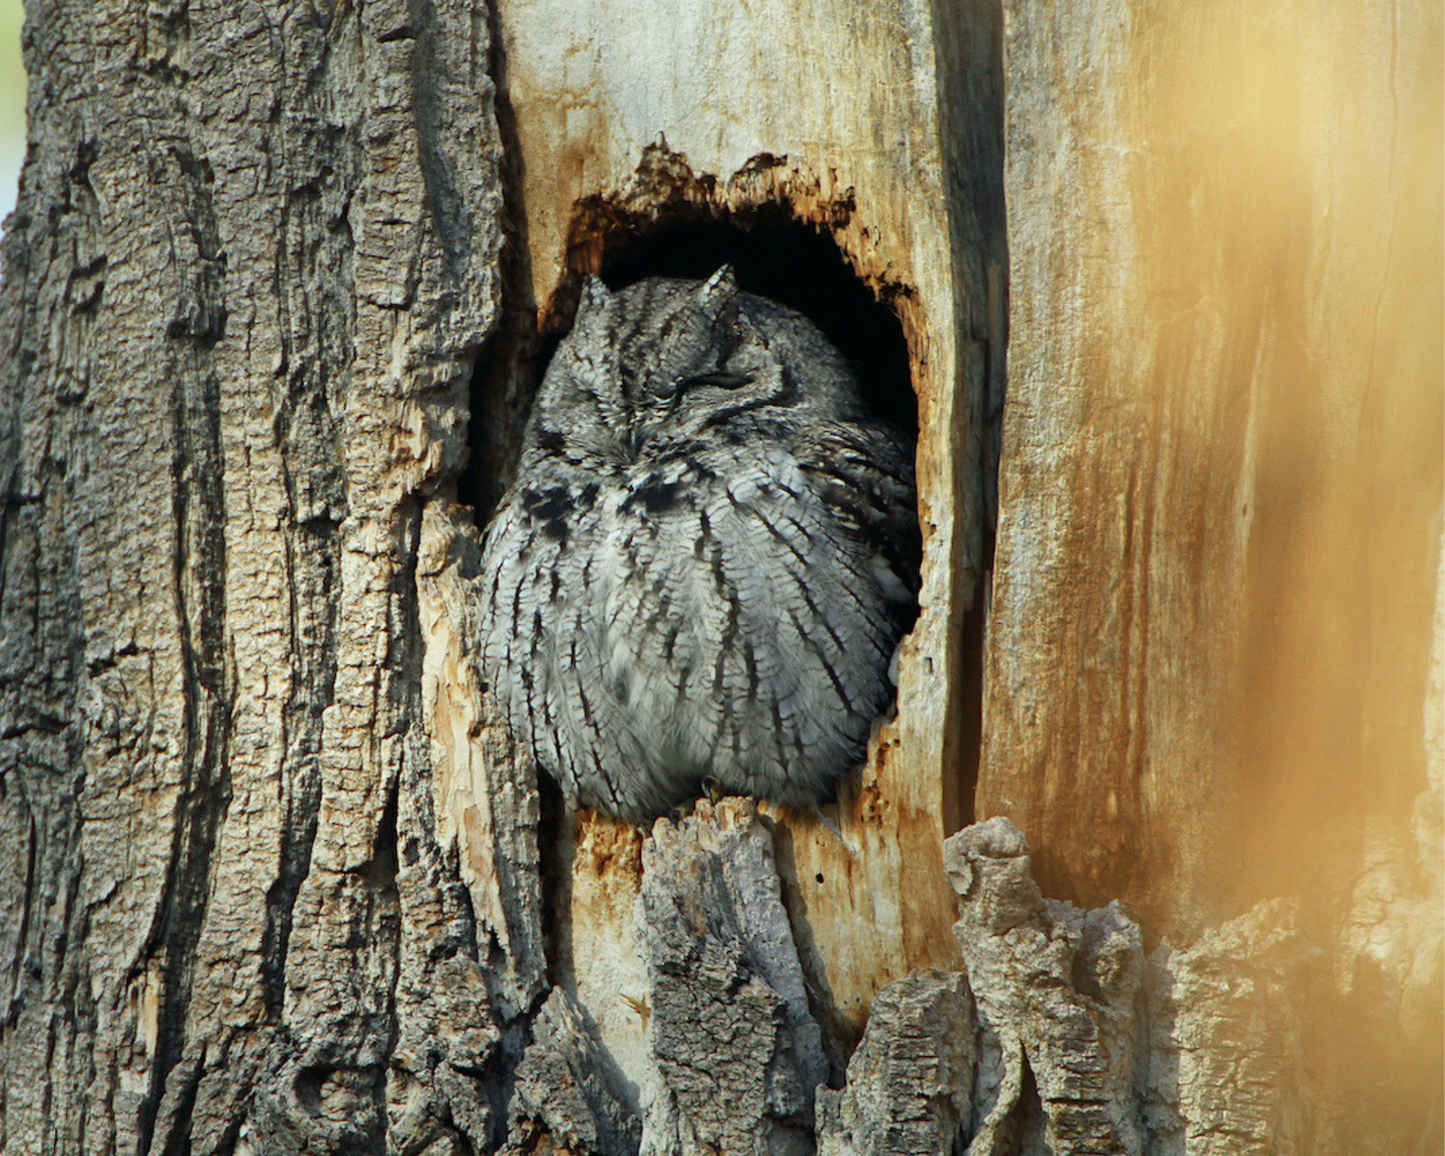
792, 263
773, 255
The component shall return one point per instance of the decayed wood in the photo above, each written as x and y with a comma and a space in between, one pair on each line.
878, 123
1218, 558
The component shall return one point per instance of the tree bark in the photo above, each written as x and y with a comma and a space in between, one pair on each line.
250, 268
275, 297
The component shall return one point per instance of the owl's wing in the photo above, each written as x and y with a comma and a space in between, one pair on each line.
864, 472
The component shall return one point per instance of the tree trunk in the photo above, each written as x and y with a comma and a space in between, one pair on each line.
277, 292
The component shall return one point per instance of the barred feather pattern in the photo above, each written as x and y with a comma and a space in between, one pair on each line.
708, 557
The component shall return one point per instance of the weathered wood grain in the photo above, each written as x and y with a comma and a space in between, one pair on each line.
1222, 472
1209, 653
879, 125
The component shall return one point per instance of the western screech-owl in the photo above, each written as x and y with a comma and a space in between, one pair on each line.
709, 554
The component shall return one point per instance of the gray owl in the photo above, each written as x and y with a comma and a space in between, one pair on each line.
709, 554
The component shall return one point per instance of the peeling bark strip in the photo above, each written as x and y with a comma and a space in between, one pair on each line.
1087, 1048
483, 788
565, 1093
1056, 987
911, 1079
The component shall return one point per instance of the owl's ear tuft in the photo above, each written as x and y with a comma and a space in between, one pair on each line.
718, 289
595, 296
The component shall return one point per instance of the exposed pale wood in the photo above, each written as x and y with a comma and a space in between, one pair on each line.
872, 121
1220, 501
1222, 470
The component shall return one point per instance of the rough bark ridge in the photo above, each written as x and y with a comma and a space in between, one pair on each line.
1089, 1047
1057, 988
910, 1079
566, 1092
251, 265
737, 1050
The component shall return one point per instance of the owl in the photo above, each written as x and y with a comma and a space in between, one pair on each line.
701, 573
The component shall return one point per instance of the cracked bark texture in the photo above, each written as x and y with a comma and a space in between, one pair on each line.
910, 1081
249, 271
737, 1051
272, 880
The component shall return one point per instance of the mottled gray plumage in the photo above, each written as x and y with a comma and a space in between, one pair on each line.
707, 558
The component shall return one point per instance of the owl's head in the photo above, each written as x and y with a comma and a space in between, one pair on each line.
669, 359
